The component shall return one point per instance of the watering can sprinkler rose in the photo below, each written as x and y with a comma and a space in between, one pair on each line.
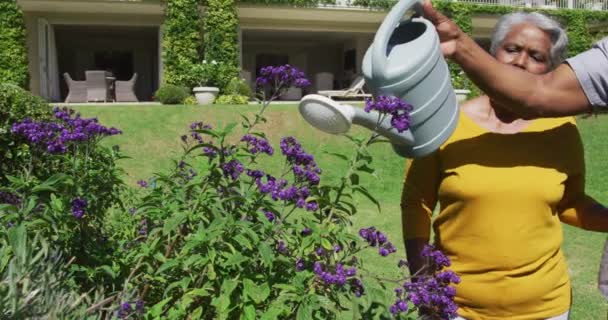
410, 81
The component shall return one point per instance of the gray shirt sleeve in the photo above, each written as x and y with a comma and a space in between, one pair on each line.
591, 69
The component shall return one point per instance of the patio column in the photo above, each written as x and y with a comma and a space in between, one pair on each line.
240, 39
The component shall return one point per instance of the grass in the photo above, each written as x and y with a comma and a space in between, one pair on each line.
151, 139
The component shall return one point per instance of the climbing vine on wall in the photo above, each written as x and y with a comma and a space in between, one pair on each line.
13, 49
182, 42
221, 38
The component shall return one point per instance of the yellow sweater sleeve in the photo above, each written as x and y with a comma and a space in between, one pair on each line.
419, 196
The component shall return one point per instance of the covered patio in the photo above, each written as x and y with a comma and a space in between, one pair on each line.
328, 44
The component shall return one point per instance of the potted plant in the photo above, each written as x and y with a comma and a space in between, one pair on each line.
206, 92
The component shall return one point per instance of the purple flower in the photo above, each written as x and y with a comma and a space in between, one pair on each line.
376, 238
282, 247
9, 198
312, 206
269, 215
139, 306
299, 264
142, 183
433, 292
436, 258
233, 169
56, 137
78, 206
258, 145
306, 232
398, 109
280, 78
320, 251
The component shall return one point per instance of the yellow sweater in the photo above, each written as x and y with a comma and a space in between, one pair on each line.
501, 199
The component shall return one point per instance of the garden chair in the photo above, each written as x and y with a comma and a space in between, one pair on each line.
77, 90
354, 91
324, 81
124, 90
97, 86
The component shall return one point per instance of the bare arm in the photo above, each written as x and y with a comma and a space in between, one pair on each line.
413, 248
551, 95
554, 94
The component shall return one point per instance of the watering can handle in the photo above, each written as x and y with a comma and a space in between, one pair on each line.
383, 35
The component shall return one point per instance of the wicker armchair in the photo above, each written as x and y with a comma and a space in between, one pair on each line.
124, 90
77, 90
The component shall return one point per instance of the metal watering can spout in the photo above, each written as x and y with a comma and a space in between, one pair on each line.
384, 33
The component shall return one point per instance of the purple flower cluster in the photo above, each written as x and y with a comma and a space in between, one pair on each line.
198, 125
436, 260
9, 198
78, 206
282, 247
432, 292
376, 238
126, 309
188, 174
233, 169
143, 227
279, 190
142, 183
303, 164
56, 137
433, 295
397, 108
257, 145
339, 276
269, 215
282, 77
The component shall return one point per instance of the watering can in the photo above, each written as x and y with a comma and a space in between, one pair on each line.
404, 61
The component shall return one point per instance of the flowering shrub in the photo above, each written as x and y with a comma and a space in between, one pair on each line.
222, 237
65, 202
219, 236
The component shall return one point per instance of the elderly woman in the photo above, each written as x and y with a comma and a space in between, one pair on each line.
503, 185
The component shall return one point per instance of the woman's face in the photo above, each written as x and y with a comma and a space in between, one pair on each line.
526, 47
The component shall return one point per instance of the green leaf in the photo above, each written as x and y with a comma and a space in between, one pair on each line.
197, 313
365, 192
354, 179
326, 244
304, 311
257, 293
199, 292
157, 309
235, 259
167, 265
172, 224
266, 253
108, 271
228, 286
49, 184
337, 155
248, 313
242, 240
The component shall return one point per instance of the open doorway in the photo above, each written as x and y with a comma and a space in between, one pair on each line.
121, 50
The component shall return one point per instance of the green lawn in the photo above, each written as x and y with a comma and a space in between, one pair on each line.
151, 139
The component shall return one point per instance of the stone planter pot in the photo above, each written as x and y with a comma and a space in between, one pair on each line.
461, 94
205, 95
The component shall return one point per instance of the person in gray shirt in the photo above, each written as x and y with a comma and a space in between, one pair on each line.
577, 86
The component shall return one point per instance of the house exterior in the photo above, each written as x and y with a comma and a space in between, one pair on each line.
124, 36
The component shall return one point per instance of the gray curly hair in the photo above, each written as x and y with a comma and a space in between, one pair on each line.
559, 39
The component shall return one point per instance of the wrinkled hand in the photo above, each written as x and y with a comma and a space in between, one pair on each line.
449, 32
